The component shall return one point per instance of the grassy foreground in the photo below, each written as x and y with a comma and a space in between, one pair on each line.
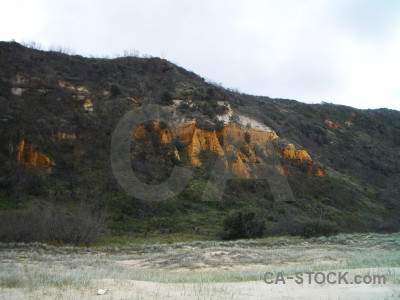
198, 269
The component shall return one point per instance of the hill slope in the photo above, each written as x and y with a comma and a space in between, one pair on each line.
58, 114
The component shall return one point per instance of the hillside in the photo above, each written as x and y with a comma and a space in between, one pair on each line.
58, 114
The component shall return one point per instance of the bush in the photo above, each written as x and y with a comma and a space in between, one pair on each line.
205, 124
22, 226
234, 119
210, 93
247, 137
166, 96
178, 144
80, 228
115, 90
50, 224
316, 228
219, 125
208, 110
163, 125
243, 224
184, 106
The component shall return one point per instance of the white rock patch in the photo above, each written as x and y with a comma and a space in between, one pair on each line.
17, 91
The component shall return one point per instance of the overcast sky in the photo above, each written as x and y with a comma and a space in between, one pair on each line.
339, 51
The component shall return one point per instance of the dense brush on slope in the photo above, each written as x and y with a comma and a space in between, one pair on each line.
58, 112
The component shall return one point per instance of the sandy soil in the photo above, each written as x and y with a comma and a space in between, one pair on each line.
132, 289
210, 270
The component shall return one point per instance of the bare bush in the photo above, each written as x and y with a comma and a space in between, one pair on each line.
21, 226
52, 224
84, 226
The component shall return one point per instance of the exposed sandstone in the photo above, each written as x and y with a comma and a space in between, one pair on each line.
291, 152
299, 156
198, 140
88, 105
333, 125
31, 159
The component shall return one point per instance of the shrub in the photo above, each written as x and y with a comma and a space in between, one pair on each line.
4, 88
79, 228
115, 90
316, 228
208, 110
247, 137
163, 125
51, 224
21, 226
210, 93
243, 224
234, 118
166, 96
179, 145
184, 106
149, 126
219, 125
205, 124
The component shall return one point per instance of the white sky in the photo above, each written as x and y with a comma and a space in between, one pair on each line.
339, 51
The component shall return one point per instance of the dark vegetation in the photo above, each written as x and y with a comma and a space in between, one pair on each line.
360, 193
81, 226
243, 224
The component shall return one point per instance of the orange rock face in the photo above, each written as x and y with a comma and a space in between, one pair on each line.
32, 159
292, 153
302, 156
88, 105
198, 140
333, 125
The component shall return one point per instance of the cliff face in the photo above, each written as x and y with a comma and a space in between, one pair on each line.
31, 159
233, 140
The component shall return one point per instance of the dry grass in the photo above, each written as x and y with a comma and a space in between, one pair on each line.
208, 267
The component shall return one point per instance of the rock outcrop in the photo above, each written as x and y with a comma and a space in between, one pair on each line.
233, 141
333, 125
291, 152
88, 105
301, 156
31, 159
